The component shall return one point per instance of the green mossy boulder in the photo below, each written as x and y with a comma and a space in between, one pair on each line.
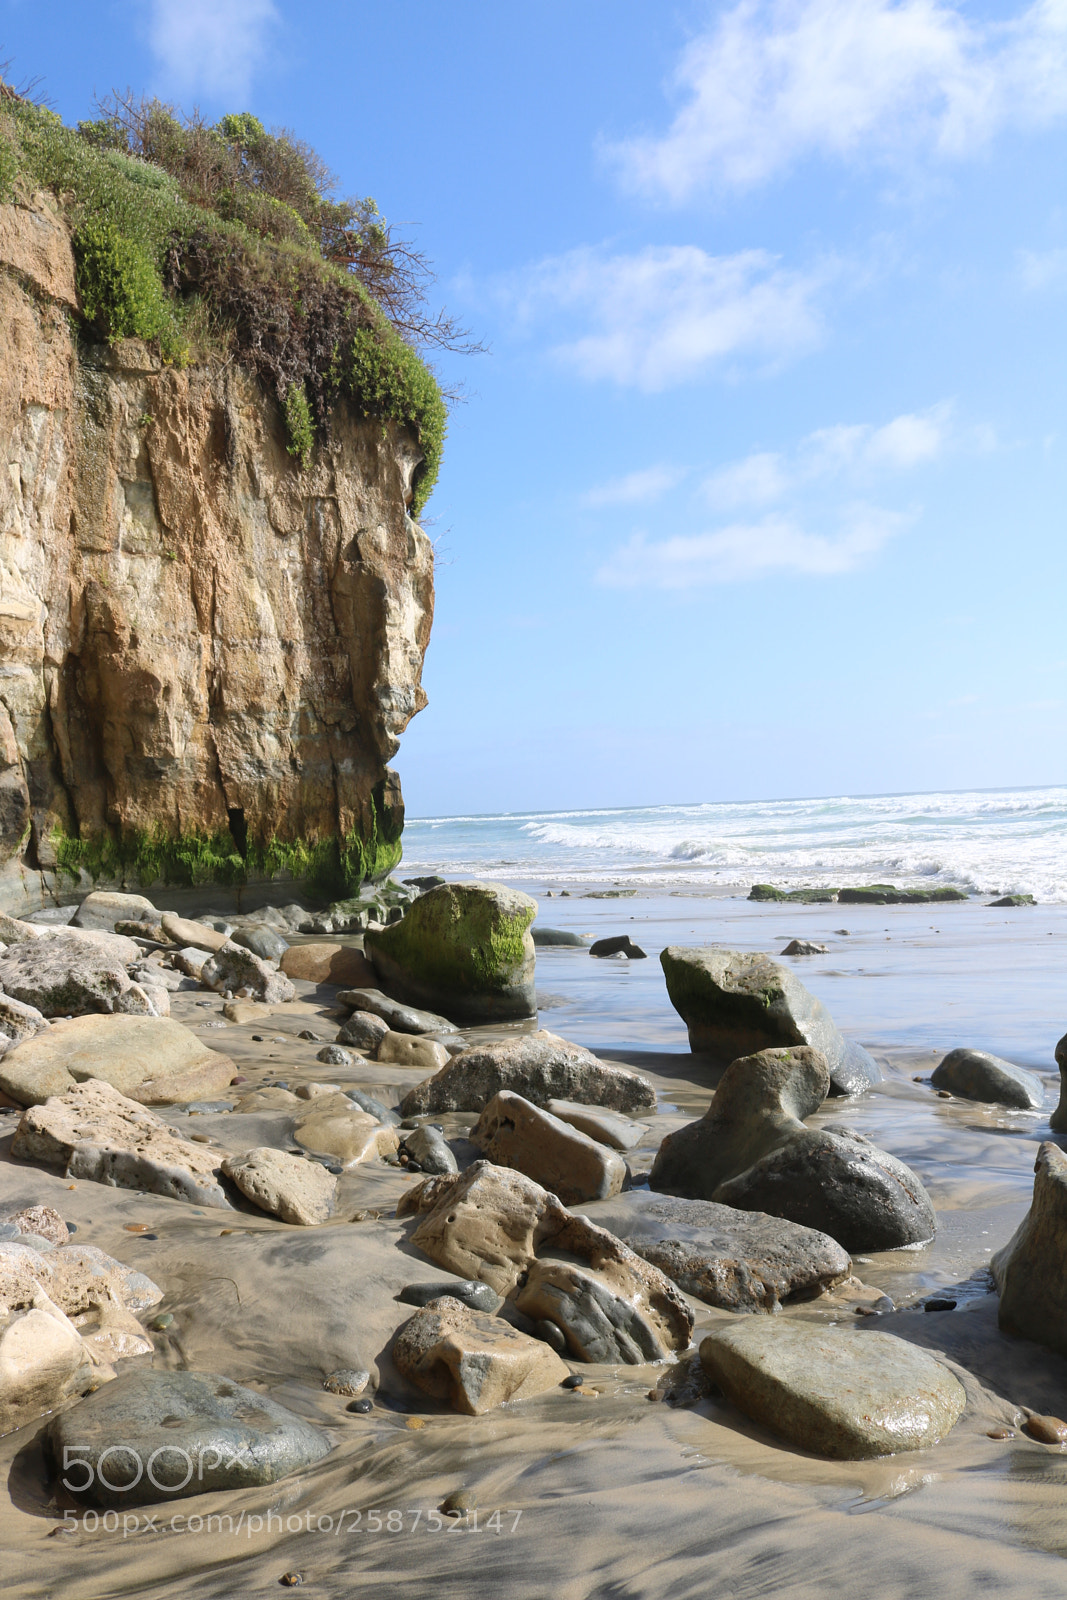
463, 949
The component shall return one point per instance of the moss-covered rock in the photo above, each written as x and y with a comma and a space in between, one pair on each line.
463, 949
870, 894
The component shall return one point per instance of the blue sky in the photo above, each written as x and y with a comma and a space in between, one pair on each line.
760, 490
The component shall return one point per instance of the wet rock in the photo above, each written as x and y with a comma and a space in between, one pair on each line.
1013, 900
181, 931
410, 1050
76, 1278
513, 1133
94, 1132
606, 1127
737, 1260
18, 1022
539, 1066
267, 1099
396, 1016
975, 1075
43, 1362
805, 947
469, 1292
736, 1003
472, 1361
103, 908
375, 1108
618, 945
1046, 1430
334, 1055
232, 968
267, 943
41, 1220
329, 963
1058, 1119
751, 1150
1029, 1270
151, 1059
466, 946
560, 937
200, 1432
289, 1187
67, 976
348, 1381
365, 1032
835, 1392
334, 1128
428, 1147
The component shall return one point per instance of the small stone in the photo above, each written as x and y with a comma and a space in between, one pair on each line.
1046, 1430
306, 1033
136, 1227
348, 1380
574, 1381
477, 1296
161, 1323
589, 1393
334, 1055
361, 1407
414, 1423
550, 1333
458, 1503
291, 1580
1001, 1433
939, 1305
943, 1094
805, 947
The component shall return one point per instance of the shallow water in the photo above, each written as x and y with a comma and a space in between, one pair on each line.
614, 1496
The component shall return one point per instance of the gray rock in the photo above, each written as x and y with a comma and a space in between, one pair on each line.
735, 1003
53, 916
428, 1147
398, 1018
151, 975
265, 942
374, 1108
18, 1021
840, 1393
511, 1132
737, 1260
552, 937
619, 945
364, 1031
67, 976
539, 1066
233, 968
269, 917
751, 1150
974, 1075
201, 934
334, 1055
1029, 1270
805, 947
348, 1381
468, 1291
606, 1127
200, 1432
103, 908
1012, 900
1058, 1119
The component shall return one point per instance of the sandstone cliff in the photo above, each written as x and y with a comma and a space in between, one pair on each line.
207, 654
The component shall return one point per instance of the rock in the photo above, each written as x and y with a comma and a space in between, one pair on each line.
558, 936
606, 1127
348, 1381
751, 1150
737, 1260
14, 931
1029, 1269
232, 968
151, 931
374, 1108
334, 1128
1046, 1430
94, 1132
619, 945
472, 1361
191, 961
43, 1362
466, 946
66, 976
974, 1075
18, 1022
412, 1050
103, 908
1013, 900
498, 1226
736, 1003
804, 947
428, 1147
329, 963
365, 1032
150, 975
469, 1292
397, 1017
607, 894
312, 1091
183, 932
270, 1099
539, 1066
843, 1394
1058, 1120
334, 1055
76, 1278
884, 894
41, 1220
287, 1186
513, 1133
168, 1435
266, 943
151, 1059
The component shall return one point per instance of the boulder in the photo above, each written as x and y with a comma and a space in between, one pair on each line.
168, 1435
975, 1075
103, 908
412, 1050
289, 1187
539, 1066
41, 1220
735, 1003
837, 1392
94, 1132
606, 1127
736, 1260
183, 932
513, 1133
329, 963
367, 1102
464, 947
18, 1022
472, 1361
469, 1292
396, 1016
265, 942
151, 1059
1058, 1119
68, 976
43, 1362
232, 968
191, 961
751, 1150
76, 1278
805, 947
336, 1129
364, 1031
1012, 900
619, 945
1029, 1270
552, 937
428, 1146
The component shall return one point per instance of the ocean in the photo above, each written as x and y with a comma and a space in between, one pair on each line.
995, 841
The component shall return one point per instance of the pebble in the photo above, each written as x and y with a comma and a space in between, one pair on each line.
257, 1038
1001, 1433
943, 1094
306, 1033
1046, 1430
584, 1389
347, 1380
574, 1381
550, 1333
879, 1308
414, 1423
458, 1503
362, 1406
161, 1323
72, 1227
334, 1055
939, 1305
136, 1227
291, 1580
468, 1291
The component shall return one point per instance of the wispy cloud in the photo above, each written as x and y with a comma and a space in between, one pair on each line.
772, 82
634, 488
1042, 269
211, 47
669, 314
773, 545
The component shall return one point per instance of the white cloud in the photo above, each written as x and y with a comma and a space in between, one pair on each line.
666, 314
213, 47
775, 545
634, 488
1042, 269
774, 81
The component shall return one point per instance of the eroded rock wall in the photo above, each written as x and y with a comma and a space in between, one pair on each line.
195, 635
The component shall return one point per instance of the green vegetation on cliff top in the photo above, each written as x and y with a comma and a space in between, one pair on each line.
203, 238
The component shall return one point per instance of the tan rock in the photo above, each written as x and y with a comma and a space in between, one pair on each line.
329, 963
13, 931
104, 907
267, 1100
409, 1050
606, 1127
41, 1220
513, 1133
241, 1011
183, 931
35, 243
234, 968
1029, 1271
18, 1021
92, 1131
473, 1361
43, 1361
151, 1059
349, 1136
289, 1187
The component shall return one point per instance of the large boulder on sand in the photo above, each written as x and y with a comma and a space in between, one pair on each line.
473, 1361
513, 1133
539, 1066
464, 949
1031, 1269
71, 974
1058, 1120
751, 1150
104, 907
976, 1075
735, 1003
232, 969
289, 1187
328, 963
151, 1059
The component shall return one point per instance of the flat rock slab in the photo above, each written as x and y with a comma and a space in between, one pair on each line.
151, 1059
169, 1435
397, 1016
976, 1075
337, 1128
513, 1133
842, 1393
289, 1187
184, 932
539, 1066
471, 1361
329, 963
738, 1260
1030, 1270
606, 1127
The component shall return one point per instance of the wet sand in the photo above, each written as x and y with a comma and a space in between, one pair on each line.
618, 1495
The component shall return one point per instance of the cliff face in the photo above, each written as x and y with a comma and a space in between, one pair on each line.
207, 655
